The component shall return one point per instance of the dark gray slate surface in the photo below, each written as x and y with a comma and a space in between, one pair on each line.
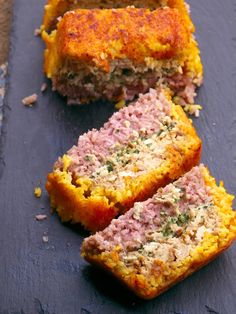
52, 278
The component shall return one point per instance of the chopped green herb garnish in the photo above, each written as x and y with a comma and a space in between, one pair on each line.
159, 132
173, 220
87, 158
167, 231
168, 70
109, 166
176, 200
140, 250
70, 75
170, 126
203, 218
136, 151
183, 219
162, 214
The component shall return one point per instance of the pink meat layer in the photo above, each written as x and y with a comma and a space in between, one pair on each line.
183, 86
126, 231
145, 114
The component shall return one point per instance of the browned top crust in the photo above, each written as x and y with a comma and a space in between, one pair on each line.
99, 36
56, 8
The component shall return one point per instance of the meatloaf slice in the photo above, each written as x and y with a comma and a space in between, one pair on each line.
56, 8
169, 236
142, 147
117, 54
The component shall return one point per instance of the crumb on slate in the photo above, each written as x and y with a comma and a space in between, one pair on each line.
30, 100
41, 217
45, 239
37, 32
43, 87
2, 92
38, 192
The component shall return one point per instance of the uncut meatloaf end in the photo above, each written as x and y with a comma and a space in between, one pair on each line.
142, 147
163, 240
55, 9
118, 54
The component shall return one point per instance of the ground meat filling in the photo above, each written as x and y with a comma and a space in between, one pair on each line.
137, 158
165, 228
133, 142
124, 80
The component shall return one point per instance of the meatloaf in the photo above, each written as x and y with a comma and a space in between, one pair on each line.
117, 54
142, 147
169, 236
56, 8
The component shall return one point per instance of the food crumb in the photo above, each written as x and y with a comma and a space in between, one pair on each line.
37, 32
41, 217
38, 192
2, 92
193, 109
45, 239
214, 124
30, 100
43, 87
120, 104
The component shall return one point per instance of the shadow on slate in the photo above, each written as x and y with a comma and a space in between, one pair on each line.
37, 277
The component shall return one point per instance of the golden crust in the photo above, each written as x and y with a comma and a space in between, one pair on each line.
96, 211
138, 284
98, 36
210, 247
56, 8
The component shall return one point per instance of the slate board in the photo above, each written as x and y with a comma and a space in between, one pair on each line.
52, 278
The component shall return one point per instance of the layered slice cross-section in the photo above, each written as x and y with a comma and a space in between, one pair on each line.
117, 54
163, 240
142, 147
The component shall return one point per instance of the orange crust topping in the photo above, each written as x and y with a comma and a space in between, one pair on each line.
57, 8
98, 36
